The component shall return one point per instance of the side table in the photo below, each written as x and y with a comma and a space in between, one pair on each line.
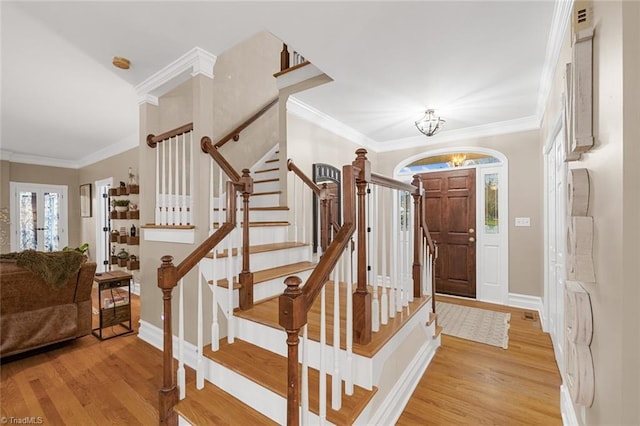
112, 310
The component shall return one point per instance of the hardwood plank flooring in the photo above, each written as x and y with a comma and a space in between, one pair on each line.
89, 382
473, 383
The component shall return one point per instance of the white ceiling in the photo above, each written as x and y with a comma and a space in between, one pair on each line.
481, 64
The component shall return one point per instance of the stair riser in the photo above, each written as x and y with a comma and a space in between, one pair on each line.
268, 234
266, 186
259, 216
257, 261
273, 174
268, 200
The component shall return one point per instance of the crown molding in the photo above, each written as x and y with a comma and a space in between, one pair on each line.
38, 160
119, 147
559, 25
492, 129
307, 112
196, 61
125, 144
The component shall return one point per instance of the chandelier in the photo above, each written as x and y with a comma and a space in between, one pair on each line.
430, 124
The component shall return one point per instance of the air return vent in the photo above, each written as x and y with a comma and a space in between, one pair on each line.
582, 16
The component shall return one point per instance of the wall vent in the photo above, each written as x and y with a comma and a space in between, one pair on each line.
582, 15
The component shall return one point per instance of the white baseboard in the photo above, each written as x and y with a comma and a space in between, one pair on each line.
569, 417
394, 404
154, 336
525, 301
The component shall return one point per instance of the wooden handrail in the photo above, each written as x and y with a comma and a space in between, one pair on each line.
153, 141
291, 166
208, 148
388, 182
235, 133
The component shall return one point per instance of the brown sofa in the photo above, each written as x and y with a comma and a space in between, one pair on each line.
34, 313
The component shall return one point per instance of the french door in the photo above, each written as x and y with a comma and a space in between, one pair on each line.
39, 218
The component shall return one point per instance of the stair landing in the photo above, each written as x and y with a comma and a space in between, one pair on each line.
266, 313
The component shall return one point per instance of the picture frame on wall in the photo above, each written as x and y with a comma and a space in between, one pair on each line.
85, 200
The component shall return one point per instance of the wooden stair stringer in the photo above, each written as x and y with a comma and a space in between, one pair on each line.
269, 370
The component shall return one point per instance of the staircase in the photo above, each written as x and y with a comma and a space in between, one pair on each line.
246, 375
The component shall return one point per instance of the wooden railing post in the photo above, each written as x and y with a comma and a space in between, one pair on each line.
168, 395
325, 223
246, 276
362, 298
284, 58
417, 236
293, 316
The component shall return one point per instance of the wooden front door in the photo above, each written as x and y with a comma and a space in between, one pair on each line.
451, 218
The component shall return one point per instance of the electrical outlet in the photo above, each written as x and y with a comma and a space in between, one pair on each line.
523, 221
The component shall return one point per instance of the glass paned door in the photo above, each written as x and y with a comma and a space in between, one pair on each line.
39, 217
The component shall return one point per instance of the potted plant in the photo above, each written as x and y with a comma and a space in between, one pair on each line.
121, 205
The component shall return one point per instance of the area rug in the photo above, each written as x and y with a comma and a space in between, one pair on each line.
478, 325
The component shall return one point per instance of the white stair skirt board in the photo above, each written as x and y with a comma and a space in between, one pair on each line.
184, 236
154, 336
258, 261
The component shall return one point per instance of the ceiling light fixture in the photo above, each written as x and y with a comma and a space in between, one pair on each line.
122, 63
430, 124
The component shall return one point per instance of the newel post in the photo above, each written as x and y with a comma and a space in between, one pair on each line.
168, 394
292, 316
284, 58
246, 276
362, 298
417, 236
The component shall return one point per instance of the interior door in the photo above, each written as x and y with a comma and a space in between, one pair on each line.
39, 217
451, 218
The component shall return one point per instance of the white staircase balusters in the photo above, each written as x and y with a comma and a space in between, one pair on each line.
384, 299
175, 206
374, 226
393, 255
163, 205
170, 218
408, 239
200, 329
336, 379
230, 330
400, 293
295, 210
319, 228
348, 278
304, 378
158, 211
322, 388
181, 378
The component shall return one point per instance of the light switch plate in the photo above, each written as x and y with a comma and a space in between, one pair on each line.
523, 221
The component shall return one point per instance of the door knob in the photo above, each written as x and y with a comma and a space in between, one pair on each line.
471, 239
471, 230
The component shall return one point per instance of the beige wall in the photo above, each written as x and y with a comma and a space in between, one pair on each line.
525, 200
243, 82
31, 173
614, 206
242, 85
5, 240
117, 168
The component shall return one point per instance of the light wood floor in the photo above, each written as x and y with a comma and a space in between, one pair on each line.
116, 381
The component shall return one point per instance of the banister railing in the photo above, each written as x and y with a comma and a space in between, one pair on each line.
173, 169
168, 277
327, 224
235, 133
410, 243
288, 61
245, 182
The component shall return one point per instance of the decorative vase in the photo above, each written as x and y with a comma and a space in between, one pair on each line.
121, 208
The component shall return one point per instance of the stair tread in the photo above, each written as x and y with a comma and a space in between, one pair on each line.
270, 371
257, 224
261, 248
266, 180
281, 271
212, 405
257, 194
432, 317
273, 160
275, 208
224, 283
267, 170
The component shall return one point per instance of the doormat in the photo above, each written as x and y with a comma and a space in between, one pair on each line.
478, 325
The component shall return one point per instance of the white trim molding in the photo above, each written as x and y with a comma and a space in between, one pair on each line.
154, 336
197, 61
567, 409
170, 235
